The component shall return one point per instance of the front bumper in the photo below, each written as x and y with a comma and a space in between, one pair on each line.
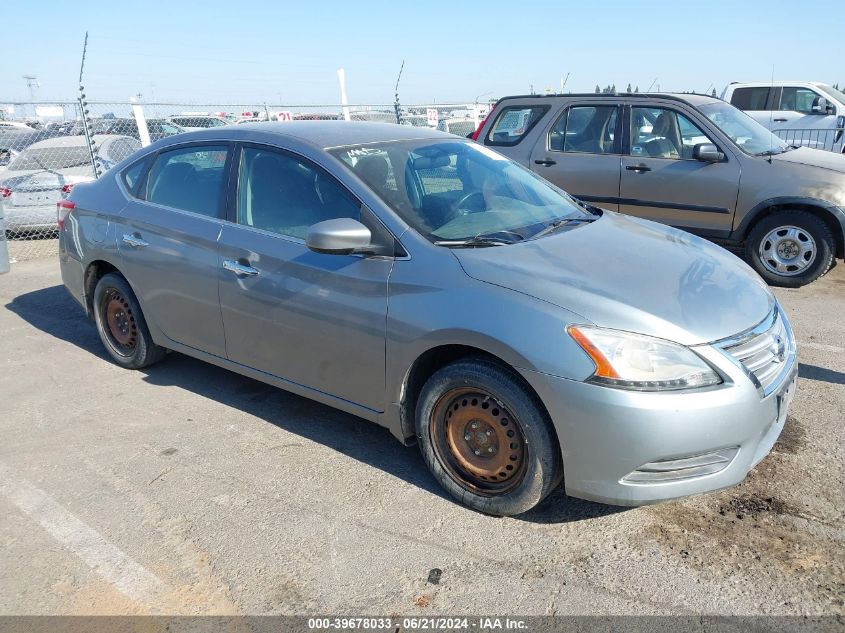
608, 435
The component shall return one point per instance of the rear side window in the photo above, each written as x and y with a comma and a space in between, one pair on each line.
190, 179
513, 123
132, 173
586, 129
750, 98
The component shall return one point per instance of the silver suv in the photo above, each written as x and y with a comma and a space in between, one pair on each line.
691, 161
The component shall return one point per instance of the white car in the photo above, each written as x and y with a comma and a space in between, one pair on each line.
191, 122
37, 178
800, 112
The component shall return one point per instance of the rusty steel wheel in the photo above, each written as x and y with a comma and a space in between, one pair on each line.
479, 442
122, 328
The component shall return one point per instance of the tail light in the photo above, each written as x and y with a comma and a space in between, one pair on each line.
481, 125
5, 192
63, 209
66, 189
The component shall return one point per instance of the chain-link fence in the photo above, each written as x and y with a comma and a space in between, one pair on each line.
47, 148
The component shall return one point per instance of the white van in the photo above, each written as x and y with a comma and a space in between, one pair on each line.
800, 112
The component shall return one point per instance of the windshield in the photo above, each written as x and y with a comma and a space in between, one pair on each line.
51, 158
457, 190
749, 136
838, 95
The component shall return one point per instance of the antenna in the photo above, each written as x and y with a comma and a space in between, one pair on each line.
652, 84
563, 82
396, 106
771, 114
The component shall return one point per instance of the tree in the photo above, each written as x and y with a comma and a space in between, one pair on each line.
713, 94
598, 90
613, 89
637, 89
629, 88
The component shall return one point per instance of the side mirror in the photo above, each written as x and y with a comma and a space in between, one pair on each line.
707, 153
821, 106
341, 236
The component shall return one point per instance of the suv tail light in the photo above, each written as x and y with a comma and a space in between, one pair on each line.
63, 209
481, 125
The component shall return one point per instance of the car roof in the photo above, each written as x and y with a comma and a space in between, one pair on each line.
320, 134
692, 98
74, 141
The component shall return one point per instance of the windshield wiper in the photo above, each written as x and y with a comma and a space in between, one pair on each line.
558, 224
771, 152
479, 240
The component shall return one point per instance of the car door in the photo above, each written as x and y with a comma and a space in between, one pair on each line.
795, 121
167, 239
661, 181
314, 319
580, 152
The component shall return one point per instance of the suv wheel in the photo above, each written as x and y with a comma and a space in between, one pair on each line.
486, 439
790, 248
121, 324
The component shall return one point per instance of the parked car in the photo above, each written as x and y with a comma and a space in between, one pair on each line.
677, 159
14, 142
459, 126
36, 179
435, 287
800, 112
192, 122
157, 128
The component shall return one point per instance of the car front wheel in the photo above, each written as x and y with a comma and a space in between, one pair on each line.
121, 324
486, 438
791, 248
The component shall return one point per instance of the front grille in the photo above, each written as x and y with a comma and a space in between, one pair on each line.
764, 351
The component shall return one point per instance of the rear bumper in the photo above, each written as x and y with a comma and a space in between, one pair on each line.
35, 218
617, 446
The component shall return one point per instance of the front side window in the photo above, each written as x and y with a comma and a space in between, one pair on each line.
750, 98
458, 190
586, 129
190, 179
798, 100
514, 123
286, 195
663, 133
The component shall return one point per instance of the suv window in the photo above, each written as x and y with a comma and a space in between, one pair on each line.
797, 100
586, 129
663, 133
750, 98
190, 178
286, 195
513, 123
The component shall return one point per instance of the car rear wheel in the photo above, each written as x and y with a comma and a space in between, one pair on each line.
791, 248
486, 438
121, 324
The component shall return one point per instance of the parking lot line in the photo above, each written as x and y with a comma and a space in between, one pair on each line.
113, 565
820, 346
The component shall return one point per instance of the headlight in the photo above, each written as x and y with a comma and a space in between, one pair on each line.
641, 363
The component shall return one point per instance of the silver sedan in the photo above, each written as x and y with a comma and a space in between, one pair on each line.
435, 287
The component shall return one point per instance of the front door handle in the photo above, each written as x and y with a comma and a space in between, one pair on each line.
134, 241
638, 168
238, 268
548, 162
780, 120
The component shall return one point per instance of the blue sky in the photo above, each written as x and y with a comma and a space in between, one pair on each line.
288, 52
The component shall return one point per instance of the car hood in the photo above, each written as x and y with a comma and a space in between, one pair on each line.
813, 158
630, 274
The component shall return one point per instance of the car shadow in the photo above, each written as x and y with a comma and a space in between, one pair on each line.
54, 312
821, 374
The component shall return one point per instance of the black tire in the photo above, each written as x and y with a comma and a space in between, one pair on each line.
810, 228
121, 324
514, 410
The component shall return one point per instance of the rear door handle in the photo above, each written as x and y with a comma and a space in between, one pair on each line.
238, 268
545, 161
780, 120
638, 168
134, 241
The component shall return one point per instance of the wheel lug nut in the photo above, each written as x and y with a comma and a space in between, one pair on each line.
467, 437
491, 450
477, 452
474, 425
489, 432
